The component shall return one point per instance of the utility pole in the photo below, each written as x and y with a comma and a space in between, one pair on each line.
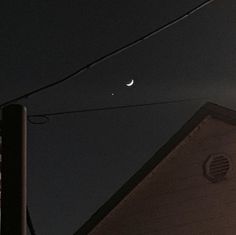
14, 165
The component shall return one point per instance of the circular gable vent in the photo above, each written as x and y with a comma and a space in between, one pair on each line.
217, 167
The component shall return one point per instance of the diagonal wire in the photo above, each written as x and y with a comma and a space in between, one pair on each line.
29, 223
45, 117
111, 54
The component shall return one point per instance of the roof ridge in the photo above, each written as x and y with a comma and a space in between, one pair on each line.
208, 109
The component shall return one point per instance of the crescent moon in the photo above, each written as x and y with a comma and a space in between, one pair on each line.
131, 83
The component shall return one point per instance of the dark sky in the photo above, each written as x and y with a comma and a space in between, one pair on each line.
76, 162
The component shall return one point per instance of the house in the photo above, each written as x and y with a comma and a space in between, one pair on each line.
187, 187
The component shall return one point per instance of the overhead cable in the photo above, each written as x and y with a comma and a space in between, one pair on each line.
43, 118
30, 223
111, 54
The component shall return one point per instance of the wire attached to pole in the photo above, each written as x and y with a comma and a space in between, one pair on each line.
45, 117
29, 223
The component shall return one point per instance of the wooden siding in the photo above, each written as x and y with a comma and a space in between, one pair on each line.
176, 198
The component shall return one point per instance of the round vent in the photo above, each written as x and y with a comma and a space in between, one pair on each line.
217, 167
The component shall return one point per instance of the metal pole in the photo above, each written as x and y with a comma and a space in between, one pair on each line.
13, 206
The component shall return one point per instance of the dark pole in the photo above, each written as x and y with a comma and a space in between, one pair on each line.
13, 206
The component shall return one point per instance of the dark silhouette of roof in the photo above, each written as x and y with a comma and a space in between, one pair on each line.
209, 109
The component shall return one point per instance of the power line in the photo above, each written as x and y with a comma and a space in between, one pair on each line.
45, 117
30, 223
111, 54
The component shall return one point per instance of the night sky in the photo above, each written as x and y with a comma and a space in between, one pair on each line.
77, 161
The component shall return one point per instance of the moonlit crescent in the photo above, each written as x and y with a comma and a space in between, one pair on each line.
131, 83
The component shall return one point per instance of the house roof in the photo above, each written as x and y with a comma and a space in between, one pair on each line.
209, 109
